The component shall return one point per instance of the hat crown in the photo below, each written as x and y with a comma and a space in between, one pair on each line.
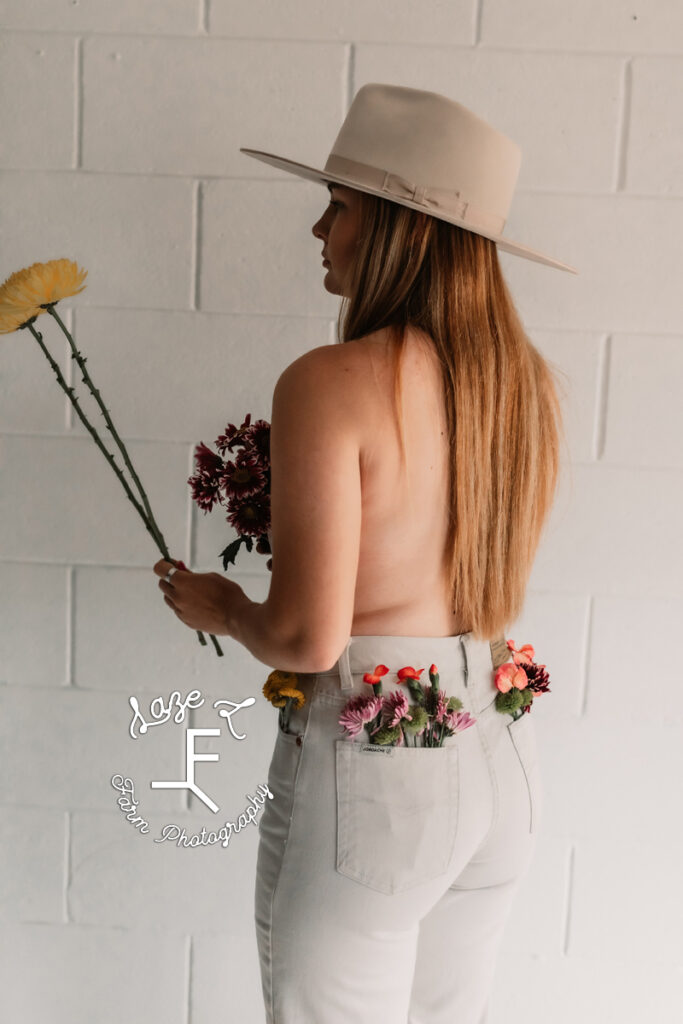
431, 140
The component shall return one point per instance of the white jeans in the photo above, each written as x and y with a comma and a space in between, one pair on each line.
384, 881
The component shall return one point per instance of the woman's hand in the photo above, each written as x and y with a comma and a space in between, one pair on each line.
202, 600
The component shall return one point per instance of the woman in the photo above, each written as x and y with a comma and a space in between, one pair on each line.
413, 467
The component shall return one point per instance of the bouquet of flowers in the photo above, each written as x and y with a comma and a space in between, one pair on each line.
392, 720
241, 485
25, 296
519, 680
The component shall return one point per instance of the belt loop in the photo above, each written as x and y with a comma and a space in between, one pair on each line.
464, 658
345, 667
500, 652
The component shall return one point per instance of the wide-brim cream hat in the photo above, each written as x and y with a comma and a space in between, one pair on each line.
428, 152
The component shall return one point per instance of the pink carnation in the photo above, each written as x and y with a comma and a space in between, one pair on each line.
441, 706
457, 721
395, 708
359, 710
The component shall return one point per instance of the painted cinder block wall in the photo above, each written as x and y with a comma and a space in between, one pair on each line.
120, 128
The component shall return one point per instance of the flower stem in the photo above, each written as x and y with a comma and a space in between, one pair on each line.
49, 306
98, 441
148, 521
153, 525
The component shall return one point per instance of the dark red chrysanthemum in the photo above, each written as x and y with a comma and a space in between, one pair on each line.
258, 440
250, 516
205, 483
538, 677
233, 435
244, 477
205, 490
207, 461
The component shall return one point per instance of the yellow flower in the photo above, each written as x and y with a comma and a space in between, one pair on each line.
280, 685
277, 701
13, 321
291, 691
25, 291
278, 679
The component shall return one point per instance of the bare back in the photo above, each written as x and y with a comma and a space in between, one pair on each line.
401, 587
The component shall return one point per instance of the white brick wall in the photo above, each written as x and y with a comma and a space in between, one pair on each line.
120, 130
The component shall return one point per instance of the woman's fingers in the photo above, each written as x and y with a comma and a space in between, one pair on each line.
163, 566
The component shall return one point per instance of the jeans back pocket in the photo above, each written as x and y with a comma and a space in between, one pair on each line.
397, 813
523, 734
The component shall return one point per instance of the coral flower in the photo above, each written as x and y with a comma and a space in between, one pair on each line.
24, 293
375, 677
411, 673
523, 655
509, 675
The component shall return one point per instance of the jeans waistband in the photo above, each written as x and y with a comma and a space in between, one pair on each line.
460, 657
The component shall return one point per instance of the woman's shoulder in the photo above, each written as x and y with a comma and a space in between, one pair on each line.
324, 390
354, 374
338, 367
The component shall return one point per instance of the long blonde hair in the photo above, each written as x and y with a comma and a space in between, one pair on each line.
503, 411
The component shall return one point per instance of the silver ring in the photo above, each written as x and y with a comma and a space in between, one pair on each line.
167, 577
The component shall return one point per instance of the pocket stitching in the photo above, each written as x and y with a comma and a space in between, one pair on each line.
330, 698
345, 769
527, 767
485, 707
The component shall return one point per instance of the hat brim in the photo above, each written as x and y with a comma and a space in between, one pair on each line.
318, 175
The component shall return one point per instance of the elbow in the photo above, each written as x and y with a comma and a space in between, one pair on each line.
313, 657
307, 646
310, 661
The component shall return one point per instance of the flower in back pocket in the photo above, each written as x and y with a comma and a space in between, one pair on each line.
392, 720
519, 681
281, 689
358, 712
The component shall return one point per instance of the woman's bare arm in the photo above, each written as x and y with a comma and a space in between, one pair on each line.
316, 515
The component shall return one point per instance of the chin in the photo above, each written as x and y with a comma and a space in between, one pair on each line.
331, 286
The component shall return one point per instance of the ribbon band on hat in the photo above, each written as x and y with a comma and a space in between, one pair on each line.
447, 200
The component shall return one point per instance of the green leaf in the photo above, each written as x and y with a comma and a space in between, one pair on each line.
229, 554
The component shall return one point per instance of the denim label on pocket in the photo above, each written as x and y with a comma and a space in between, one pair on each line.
397, 815
376, 747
